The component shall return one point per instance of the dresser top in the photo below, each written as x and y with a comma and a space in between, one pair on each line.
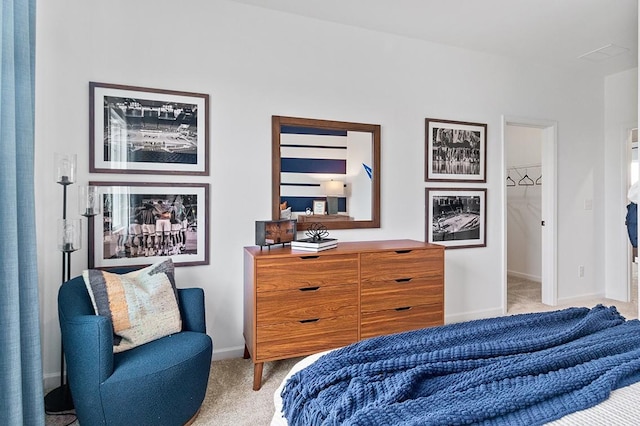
343, 248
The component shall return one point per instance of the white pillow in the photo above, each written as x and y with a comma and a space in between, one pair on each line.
286, 213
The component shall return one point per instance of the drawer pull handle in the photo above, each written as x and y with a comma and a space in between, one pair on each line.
405, 308
309, 257
309, 288
403, 280
403, 251
309, 320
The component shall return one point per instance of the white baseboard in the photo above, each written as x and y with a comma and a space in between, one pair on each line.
522, 275
579, 299
468, 316
51, 380
227, 353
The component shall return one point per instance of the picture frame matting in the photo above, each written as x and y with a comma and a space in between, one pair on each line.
144, 130
142, 223
456, 217
455, 151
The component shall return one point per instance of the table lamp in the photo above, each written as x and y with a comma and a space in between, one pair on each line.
333, 189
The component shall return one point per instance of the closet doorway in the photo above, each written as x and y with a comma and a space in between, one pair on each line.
529, 148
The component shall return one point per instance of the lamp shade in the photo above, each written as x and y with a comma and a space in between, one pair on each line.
65, 165
88, 200
333, 188
69, 235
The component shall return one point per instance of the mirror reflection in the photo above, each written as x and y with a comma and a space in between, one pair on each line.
326, 171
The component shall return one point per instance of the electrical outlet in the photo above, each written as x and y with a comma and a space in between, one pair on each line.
581, 271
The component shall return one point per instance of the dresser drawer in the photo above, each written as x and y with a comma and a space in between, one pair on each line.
295, 338
401, 264
306, 303
398, 320
306, 270
381, 295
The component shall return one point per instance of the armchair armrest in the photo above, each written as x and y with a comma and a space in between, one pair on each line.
191, 301
88, 348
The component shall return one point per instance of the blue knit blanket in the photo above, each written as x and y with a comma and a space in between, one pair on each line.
518, 370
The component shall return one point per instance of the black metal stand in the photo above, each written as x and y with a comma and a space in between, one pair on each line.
59, 399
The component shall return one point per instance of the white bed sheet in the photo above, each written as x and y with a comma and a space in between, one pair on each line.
621, 409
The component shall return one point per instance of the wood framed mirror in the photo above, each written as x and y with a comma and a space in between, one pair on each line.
330, 163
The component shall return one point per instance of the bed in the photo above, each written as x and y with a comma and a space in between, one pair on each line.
575, 366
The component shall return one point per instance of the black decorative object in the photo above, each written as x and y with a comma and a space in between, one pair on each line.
317, 232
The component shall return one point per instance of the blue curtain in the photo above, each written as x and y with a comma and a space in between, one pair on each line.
21, 402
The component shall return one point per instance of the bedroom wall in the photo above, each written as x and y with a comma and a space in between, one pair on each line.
256, 63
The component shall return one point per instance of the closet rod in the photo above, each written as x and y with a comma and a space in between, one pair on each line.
531, 166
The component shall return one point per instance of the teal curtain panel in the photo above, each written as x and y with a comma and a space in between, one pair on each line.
20, 360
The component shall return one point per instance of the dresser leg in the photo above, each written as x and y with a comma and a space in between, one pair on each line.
246, 353
257, 376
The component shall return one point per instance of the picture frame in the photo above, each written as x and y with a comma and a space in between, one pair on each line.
272, 232
142, 223
145, 130
319, 207
456, 217
455, 151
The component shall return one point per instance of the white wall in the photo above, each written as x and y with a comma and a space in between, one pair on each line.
256, 63
621, 112
524, 203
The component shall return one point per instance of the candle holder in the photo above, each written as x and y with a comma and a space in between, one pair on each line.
69, 235
66, 166
88, 200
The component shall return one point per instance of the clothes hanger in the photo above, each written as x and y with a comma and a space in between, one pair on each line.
539, 180
526, 180
510, 182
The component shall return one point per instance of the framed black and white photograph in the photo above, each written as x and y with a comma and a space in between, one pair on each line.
143, 130
455, 151
456, 218
142, 223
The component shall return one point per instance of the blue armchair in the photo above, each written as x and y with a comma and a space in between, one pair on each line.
161, 382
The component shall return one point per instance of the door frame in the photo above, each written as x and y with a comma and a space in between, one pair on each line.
628, 157
617, 257
549, 213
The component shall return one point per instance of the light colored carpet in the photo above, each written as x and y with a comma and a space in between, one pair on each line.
230, 399
524, 296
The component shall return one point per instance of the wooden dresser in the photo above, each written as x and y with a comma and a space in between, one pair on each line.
297, 303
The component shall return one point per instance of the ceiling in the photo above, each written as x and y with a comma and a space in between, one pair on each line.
545, 32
